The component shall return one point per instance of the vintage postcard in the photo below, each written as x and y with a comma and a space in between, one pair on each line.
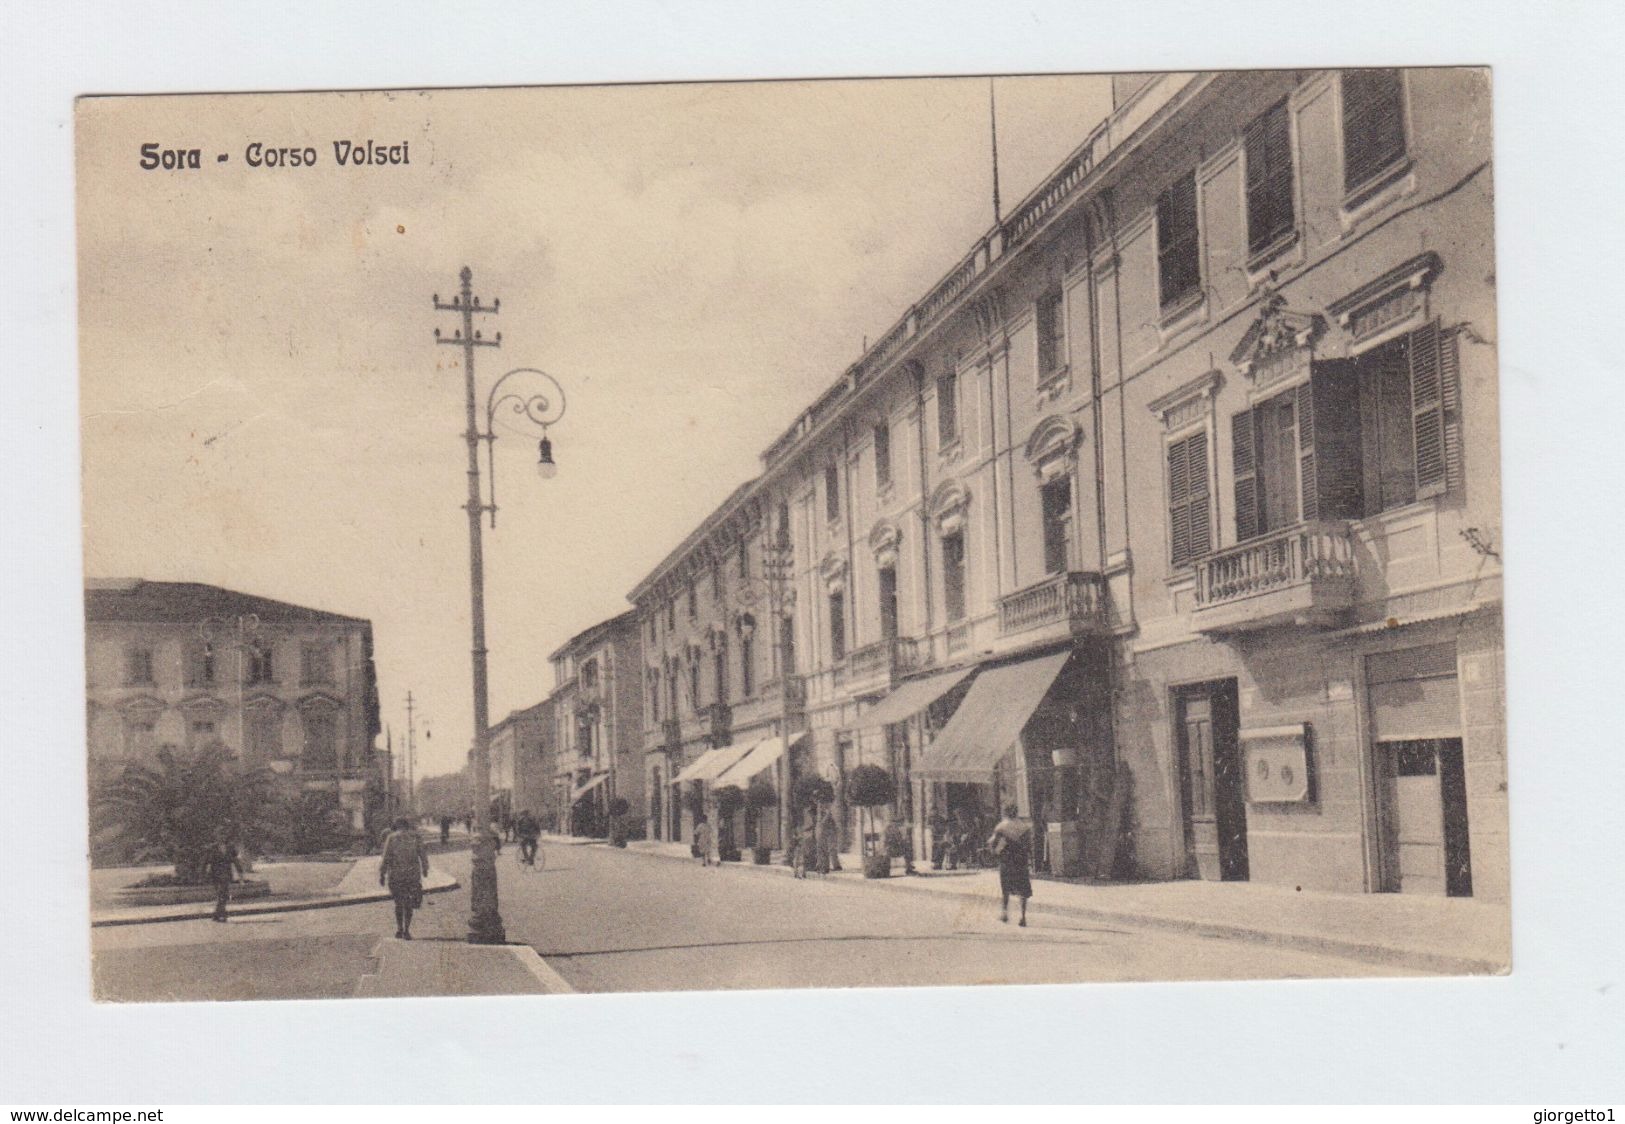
792, 534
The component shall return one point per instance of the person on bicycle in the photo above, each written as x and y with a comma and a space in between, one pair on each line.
528, 831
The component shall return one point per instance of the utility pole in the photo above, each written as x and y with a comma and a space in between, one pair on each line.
411, 757
485, 922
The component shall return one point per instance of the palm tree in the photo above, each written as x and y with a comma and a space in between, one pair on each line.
176, 809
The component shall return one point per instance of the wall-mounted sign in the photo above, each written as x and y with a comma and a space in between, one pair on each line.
1276, 761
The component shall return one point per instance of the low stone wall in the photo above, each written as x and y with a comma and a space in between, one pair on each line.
183, 895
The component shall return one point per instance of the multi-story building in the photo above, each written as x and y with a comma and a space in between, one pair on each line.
522, 760
1171, 513
597, 726
185, 666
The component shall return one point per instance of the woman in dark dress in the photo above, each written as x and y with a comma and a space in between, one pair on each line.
404, 866
1011, 841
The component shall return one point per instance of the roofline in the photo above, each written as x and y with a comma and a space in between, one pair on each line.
326, 616
592, 632
719, 515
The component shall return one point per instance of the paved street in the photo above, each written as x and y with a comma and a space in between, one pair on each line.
611, 920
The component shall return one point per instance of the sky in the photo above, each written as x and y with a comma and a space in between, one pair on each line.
264, 407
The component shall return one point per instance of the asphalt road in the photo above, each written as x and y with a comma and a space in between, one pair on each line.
609, 920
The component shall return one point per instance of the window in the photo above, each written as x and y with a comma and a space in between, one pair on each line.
315, 664
747, 665
744, 560
321, 739
1057, 504
201, 733
694, 684
832, 492
671, 615
882, 455
716, 584
263, 732
138, 666
1269, 178
1179, 269
953, 576
888, 602
947, 409
1373, 125
837, 626
787, 641
671, 690
1188, 507
654, 695
693, 600
140, 737
1409, 424
1051, 334
200, 664
719, 667
260, 667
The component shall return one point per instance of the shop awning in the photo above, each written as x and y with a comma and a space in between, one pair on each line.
582, 789
989, 721
913, 697
712, 762
762, 755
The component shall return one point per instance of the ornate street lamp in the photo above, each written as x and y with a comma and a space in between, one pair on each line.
540, 409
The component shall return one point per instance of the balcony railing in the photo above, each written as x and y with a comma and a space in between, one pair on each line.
958, 639
671, 733
882, 663
1301, 575
1073, 599
719, 718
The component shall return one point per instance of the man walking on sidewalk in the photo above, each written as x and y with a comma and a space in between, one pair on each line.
222, 863
403, 867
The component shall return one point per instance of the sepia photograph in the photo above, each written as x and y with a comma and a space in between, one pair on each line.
792, 534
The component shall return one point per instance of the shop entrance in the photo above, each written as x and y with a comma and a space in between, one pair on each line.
655, 788
1424, 838
1215, 809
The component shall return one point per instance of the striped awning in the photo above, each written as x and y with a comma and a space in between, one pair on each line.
762, 755
712, 762
989, 721
912, 697
585, 787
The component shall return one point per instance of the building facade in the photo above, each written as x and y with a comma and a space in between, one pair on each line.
185, 666
1170, 514
522, 758
597, 727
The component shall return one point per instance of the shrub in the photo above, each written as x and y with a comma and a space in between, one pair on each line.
619, 806
729, 798
761, 794
812, 789
868, 787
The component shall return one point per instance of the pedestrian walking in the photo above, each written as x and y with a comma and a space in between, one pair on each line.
702, 840
222, 863
900, 843
403, 867
445, 830
827, 840
805, 845
529, 831
1011, 842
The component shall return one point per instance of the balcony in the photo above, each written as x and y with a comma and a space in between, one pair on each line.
1070, 603
671, 735
873, 668
1302, 575
795, 696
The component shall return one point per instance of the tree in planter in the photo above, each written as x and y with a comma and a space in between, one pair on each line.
311, 822
759, 797
176, 810
729, 799
869, 787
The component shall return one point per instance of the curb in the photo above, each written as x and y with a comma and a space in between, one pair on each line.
1436, 963
256, 910
527, 957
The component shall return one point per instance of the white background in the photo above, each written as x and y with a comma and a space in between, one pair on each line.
1552, 1033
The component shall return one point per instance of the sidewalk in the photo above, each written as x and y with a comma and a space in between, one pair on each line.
357, 885
1450, 936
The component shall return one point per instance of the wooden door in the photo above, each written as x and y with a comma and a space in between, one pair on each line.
1196, 755
1417, 846
1215, 805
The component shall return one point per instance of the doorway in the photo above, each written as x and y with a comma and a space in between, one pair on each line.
1214, 804
655, 817
1424, 818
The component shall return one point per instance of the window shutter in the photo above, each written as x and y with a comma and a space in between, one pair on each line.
1196, 489
1450, 395
1308, 482
1179, 537
1245, 465
1373, 124
1427, 409
1269, 177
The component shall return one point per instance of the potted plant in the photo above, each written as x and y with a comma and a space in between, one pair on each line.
618, 808
759, 797
869, 787
808, 792
729, 799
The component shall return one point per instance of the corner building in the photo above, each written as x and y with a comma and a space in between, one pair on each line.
1170, 514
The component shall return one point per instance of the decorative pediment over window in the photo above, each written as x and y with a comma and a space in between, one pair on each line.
1279, 343
261, 701
1052, 448
833, 570
883, 542
1189, 403
141, 706
948, 505
320, 700
202, 706
1390, 303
